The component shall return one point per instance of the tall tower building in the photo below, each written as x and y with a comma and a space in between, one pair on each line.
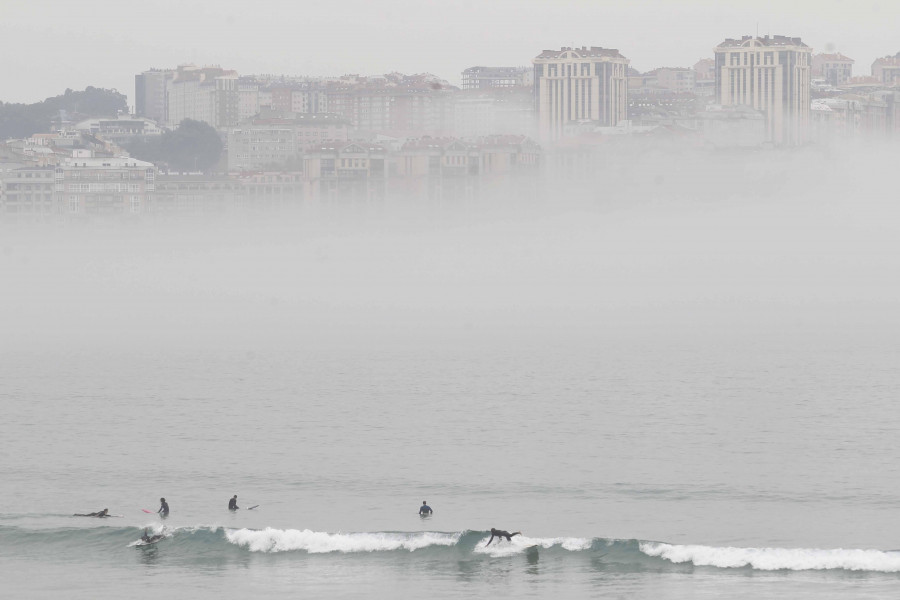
580, 84
770, 74
150, 93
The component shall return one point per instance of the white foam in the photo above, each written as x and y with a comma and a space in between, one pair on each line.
316, 542
520, 543
772, 559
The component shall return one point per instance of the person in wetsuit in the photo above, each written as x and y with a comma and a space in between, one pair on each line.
163, 508
147, 538
102, 513
425, 509
232, 504
499, 533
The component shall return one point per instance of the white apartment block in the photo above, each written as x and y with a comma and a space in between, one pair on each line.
579, 84
104, 185
208, 94
771, 75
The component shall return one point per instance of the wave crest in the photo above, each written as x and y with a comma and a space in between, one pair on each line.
775, 559
318, 542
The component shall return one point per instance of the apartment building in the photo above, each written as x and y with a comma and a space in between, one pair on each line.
150, 93
481, 78
834, 69
103, 185
579, 84
769, 74
208, 94
26, 191
887, 70
279, 139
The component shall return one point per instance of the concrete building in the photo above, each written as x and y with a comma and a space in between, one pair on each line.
835, 69
26, 192
150, 93
346, 171
887, 69
103, 185
275, 139
480, 78
208, 94
579, 84
769, 74
677, 80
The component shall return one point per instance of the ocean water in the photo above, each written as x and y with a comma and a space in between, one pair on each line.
663, 410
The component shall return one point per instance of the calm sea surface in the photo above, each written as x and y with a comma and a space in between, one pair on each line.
685, 418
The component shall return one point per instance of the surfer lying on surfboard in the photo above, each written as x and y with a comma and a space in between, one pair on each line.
499, 533
101, 514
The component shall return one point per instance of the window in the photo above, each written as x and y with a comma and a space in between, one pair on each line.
73, 204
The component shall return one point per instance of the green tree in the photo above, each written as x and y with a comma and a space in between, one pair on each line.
193, 146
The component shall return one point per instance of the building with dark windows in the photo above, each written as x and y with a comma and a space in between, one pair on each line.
579, 85
482, 78
835, 69
771, 75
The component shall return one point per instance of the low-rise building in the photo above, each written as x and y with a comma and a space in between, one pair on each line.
835, 69
26, 192
103, 185
887, 69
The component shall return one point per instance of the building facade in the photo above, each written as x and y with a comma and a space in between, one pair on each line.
480, 78
887, 70
103, 185
579, 84
150, 93
769, 74
835, 69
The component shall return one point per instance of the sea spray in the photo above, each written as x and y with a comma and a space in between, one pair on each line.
773, 559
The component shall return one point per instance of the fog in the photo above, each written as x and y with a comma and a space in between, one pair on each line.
682, 247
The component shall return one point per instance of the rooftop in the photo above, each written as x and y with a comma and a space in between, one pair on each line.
749, 41
583, 52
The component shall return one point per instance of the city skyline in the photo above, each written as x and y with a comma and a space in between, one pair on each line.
372, 39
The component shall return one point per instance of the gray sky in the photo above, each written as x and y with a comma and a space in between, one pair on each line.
60, 44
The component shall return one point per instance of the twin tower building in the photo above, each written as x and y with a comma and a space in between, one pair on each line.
768, 74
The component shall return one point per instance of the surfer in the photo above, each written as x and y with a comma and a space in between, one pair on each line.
149, 539
163, 508
100, 514
232, 504
425, 510
499, 533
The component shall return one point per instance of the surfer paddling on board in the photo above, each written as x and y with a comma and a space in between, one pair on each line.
100, 514
163, 508
425, 510
499, 533
232, 504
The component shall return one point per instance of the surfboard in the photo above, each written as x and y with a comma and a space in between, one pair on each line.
152, 542
147, 511
252, 507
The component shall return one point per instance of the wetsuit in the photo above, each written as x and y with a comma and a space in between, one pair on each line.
501, 534
232, 504
425, 510
164, 509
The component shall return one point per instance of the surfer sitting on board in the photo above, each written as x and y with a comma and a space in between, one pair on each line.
102, 513
163, 507
232, 504
499, 533
425, 509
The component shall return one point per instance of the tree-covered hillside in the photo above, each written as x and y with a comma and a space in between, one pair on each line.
23, 120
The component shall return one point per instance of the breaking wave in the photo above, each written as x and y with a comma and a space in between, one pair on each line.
205, 541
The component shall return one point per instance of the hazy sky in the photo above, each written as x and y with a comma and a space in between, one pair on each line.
49, 45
